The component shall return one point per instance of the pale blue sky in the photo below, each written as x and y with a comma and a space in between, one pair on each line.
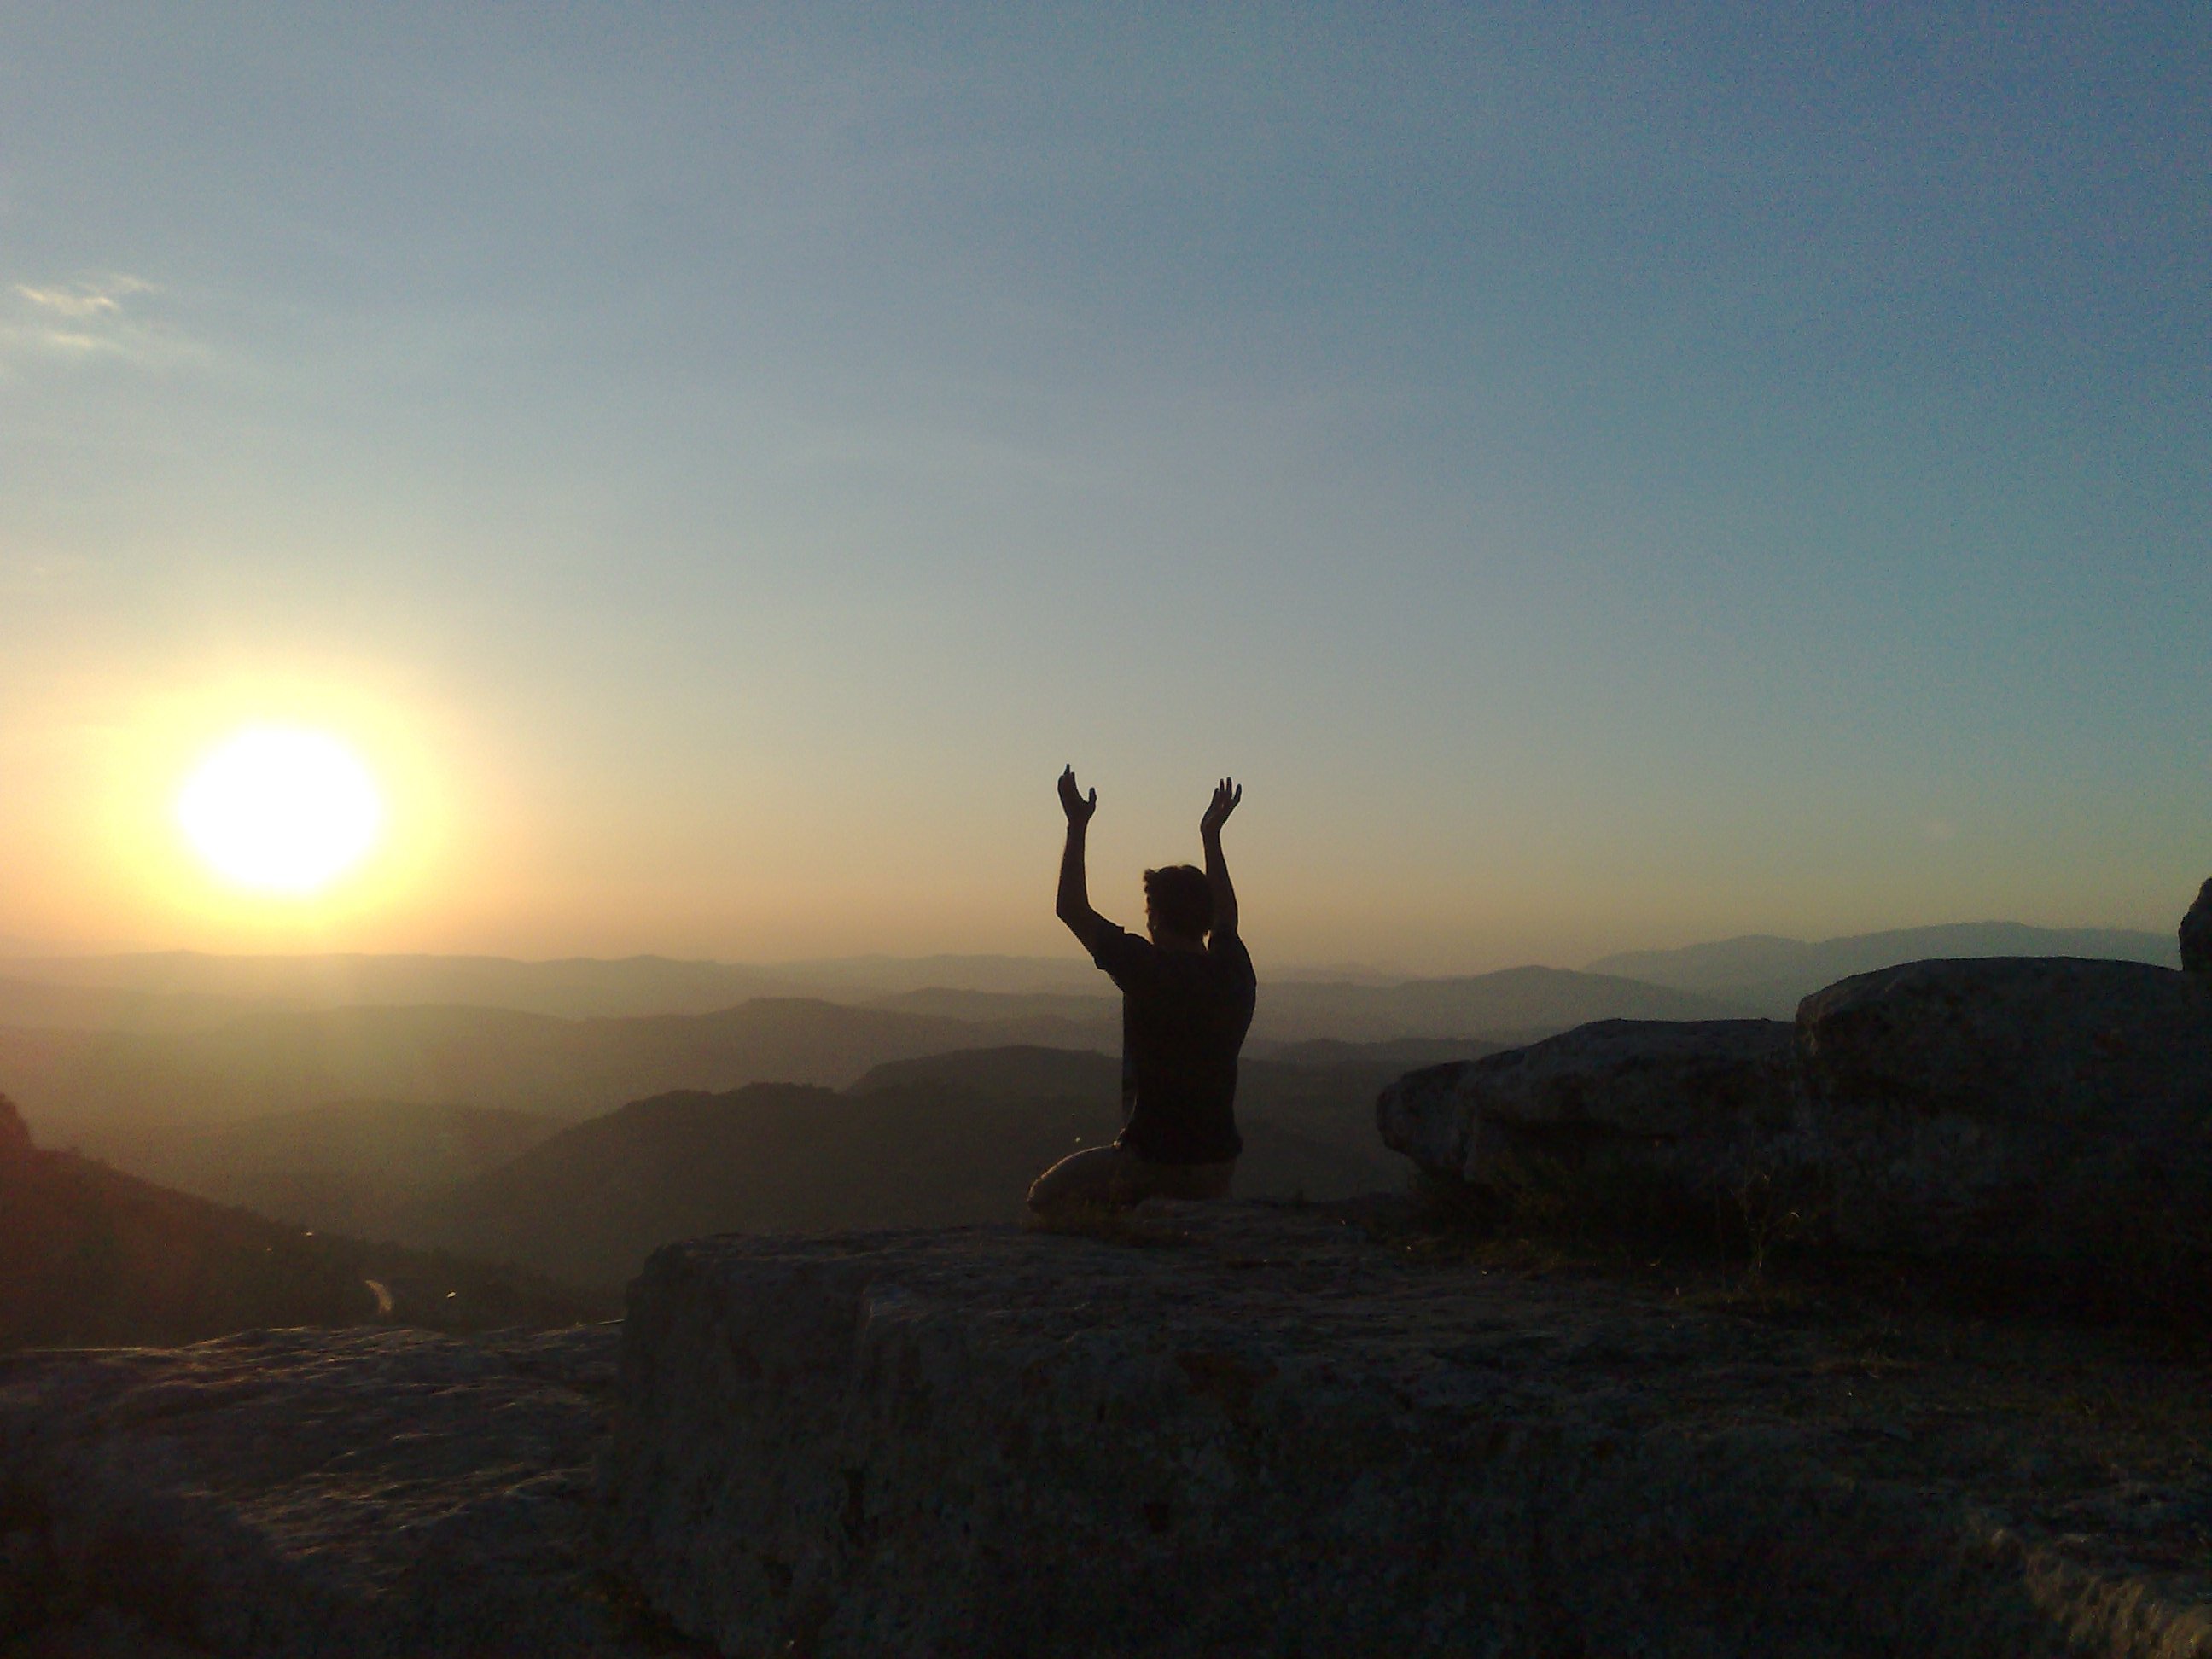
1604, 480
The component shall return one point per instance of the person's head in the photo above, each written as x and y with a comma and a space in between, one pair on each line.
1178, 900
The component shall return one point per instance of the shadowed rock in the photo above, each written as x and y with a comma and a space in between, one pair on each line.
1236, 1430
2040, 1107
307, 1493
1690, 1105
2036, 1106
2197, 934
1211, 1429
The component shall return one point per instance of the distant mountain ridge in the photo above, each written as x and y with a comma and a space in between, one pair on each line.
56, 1006
101, 1088
1513, 1002
181, 990
1770, 974
104, 1089
187, 990
937, 1140
575, 987
571, 989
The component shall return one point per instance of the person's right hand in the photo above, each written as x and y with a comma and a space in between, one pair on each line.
1074, 802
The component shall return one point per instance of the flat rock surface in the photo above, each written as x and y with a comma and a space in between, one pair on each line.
1456, 1452
1241, 1429
351, 1492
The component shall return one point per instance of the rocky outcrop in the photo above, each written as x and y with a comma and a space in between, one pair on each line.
2034, 1106
1690, 1107
348, 1494
2013, 1106
2197, 934
15, 1138
1233, 1430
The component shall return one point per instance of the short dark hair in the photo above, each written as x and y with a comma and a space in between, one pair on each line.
1180, 899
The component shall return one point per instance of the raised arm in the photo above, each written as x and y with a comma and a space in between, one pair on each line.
1074, 905
1226, 794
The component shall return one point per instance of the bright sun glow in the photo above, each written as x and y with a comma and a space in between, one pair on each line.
282, 810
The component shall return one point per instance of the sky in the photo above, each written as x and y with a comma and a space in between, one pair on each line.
1602, 477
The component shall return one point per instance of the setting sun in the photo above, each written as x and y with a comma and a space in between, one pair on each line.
280, 809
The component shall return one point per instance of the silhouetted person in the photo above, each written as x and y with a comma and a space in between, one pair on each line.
1187, 996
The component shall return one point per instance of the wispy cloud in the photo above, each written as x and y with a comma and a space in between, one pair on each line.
101, 317
100, 298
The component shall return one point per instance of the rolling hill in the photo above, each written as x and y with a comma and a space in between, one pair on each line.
575, 988
89, 1257
186, 989
932, 1142
579, 988
67, 1007
1513, 1003
104, 1089
589, 1204
1391, 1056
340, 1168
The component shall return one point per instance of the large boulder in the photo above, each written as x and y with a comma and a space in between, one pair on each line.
2021, 1107
1689, 1109
2040, 1106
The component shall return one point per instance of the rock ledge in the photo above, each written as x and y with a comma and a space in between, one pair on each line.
1239, 1429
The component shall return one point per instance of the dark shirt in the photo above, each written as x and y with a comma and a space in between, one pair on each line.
1184, 1014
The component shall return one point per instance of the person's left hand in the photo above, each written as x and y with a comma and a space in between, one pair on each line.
1226, 794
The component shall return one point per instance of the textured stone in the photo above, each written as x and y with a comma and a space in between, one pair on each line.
1234, 1430
310, 1493
2196, 933
2045, 1107
1691, 1104
2050, 1106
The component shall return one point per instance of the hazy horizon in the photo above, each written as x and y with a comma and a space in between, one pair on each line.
1443, 961
1603, 483
1076, 968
